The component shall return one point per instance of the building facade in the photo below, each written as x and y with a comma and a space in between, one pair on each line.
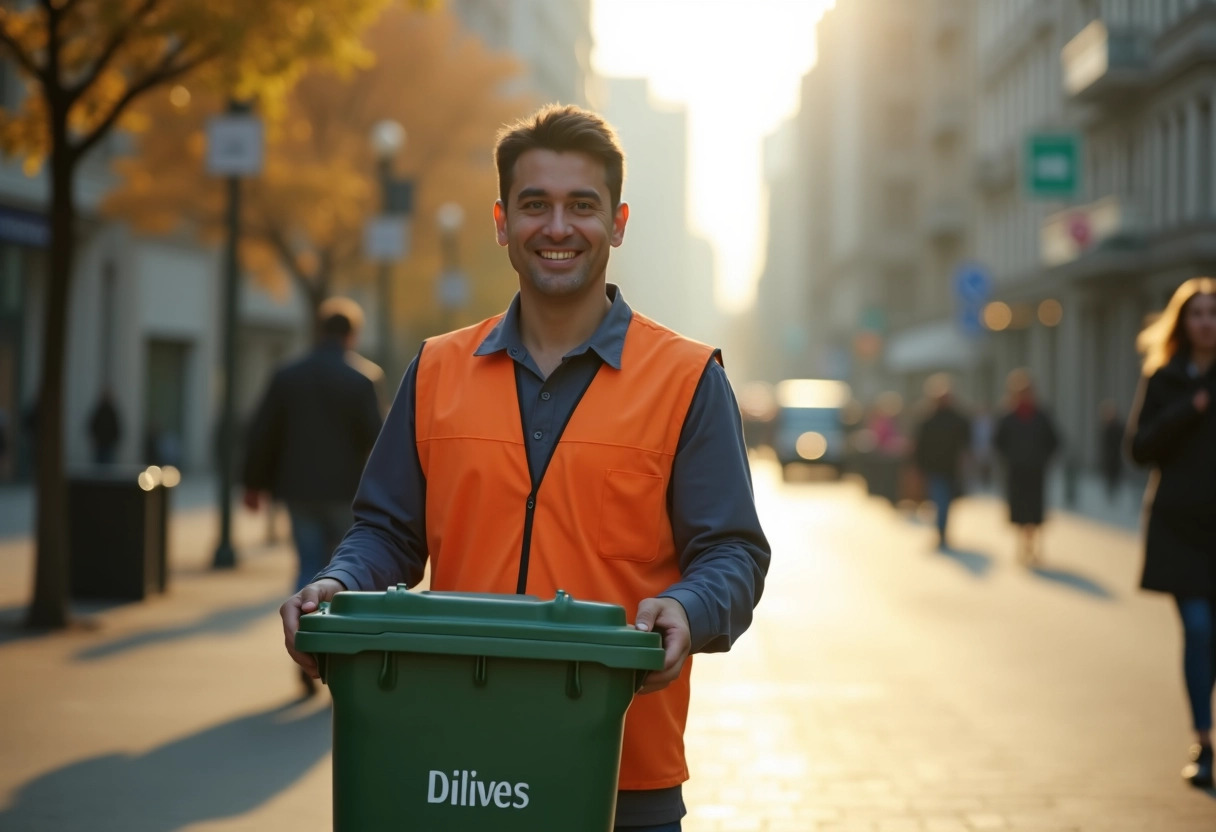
1133, 84
552, 38
664, 270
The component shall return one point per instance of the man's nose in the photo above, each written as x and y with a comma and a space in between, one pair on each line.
558, 227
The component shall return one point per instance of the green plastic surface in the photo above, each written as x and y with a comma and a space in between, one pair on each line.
476, 713
470, 624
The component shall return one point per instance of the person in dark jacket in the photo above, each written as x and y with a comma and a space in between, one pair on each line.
1173, 430
941, 444
1026, 439
311, 437
105, 429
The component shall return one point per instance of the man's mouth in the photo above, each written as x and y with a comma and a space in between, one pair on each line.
557, 255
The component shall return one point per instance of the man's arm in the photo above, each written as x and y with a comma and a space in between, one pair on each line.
724, 554
387, 543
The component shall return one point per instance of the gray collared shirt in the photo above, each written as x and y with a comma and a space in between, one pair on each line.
724, 554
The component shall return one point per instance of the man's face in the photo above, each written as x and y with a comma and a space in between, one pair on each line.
558, 223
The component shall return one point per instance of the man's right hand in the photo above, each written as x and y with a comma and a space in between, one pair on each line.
308, 599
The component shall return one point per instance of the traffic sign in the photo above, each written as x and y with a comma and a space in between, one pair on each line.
1053, 165
972, 289
234, 145
386, 238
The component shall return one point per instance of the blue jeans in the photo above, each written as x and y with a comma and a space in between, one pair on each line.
666, 827
941, 493
317, 529
1199, 656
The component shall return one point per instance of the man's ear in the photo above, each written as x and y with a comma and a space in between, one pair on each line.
618, 223
500, 222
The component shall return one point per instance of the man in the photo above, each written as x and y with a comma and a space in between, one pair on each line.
941, 443
569, 443
311, 437
105, 429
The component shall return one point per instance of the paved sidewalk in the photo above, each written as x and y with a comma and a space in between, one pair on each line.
884, 687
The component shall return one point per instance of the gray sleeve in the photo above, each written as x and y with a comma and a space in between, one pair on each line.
387, 543
724, 554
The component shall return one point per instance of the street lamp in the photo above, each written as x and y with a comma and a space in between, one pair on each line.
387, 238
453, 286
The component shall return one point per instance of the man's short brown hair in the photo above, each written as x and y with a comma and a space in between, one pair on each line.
561, 129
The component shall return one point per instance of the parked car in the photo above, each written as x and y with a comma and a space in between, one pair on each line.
809, 426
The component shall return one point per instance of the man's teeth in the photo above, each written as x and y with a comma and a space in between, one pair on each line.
558, 255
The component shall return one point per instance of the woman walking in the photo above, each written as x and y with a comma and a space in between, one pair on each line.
1173, 430
1026, 439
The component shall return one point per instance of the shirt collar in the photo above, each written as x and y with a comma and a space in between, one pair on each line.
608, 340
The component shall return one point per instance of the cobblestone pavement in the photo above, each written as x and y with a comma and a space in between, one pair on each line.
883, 687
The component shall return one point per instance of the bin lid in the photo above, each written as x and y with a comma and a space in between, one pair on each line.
478, 624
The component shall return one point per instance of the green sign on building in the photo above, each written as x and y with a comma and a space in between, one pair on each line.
1053, 165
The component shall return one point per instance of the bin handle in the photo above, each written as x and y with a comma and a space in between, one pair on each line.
574, 681
479, 671
388, 671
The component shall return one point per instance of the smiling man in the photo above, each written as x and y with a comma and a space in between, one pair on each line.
569, 443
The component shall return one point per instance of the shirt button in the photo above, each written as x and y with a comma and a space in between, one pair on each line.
537, 434
546, 396
513, 351
531, 503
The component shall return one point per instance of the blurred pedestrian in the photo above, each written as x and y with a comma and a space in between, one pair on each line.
940, 447
1026, 439
1173, 430
311, 437
607, 446
1111, 431
4, 443
105, 429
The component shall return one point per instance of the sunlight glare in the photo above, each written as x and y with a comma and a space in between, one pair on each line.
738, 67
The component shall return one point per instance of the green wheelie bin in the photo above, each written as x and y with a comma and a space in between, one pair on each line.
455, 712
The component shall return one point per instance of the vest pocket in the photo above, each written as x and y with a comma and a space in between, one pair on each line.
630, 516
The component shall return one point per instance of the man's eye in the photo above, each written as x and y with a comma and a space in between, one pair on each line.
534, 205
584, 206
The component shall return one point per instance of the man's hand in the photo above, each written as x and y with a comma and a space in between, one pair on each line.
252, 499
305, 601
665, 616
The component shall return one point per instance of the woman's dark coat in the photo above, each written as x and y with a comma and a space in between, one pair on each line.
1026, 445
1179, 442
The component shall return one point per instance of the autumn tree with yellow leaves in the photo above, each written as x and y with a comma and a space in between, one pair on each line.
86, 63
304, 214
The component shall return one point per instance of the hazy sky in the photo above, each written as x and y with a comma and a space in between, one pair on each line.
737, 65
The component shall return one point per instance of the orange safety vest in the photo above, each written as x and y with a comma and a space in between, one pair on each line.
597, 526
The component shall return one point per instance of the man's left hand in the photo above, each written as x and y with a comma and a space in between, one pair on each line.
665, 616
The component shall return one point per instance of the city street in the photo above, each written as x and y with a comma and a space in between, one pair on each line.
883, 687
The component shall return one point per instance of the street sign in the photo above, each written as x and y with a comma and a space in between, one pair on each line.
972, 290
1052, 165
453, 289
386, 239
234, 145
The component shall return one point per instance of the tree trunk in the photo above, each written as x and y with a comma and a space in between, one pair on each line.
51, 578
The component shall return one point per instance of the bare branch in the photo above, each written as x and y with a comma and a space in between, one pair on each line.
274, 235
163, 73
22, 57
117, 39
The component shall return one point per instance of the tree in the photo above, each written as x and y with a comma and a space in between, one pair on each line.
86, 63
305, 213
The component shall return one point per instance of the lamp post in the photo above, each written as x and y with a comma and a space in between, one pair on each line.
386, 237
453, 286
234, 150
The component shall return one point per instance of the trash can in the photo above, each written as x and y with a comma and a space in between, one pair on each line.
455, 712
118, 532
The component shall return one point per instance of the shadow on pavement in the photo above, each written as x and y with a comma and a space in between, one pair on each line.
977, 563
227, 620
221, 772
84, 618
1073, 580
